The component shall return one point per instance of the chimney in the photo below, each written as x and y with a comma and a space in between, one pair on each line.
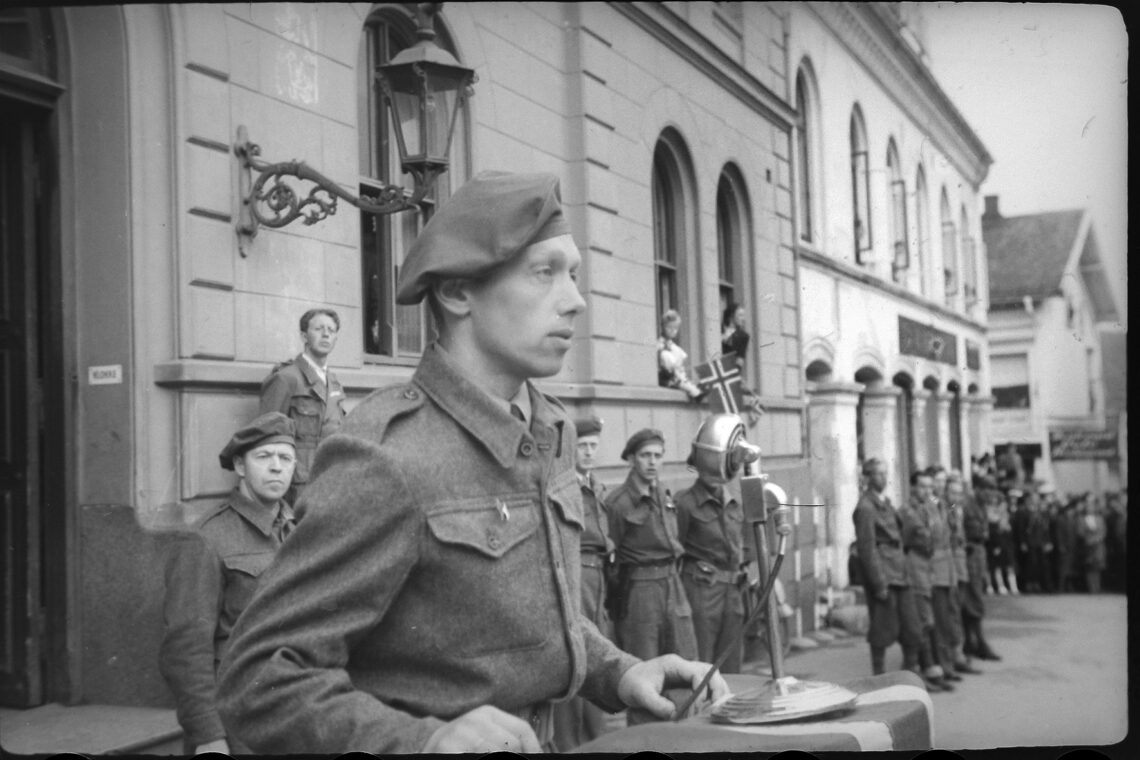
992, 207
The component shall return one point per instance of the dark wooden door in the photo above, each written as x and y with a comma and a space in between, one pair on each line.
21, 417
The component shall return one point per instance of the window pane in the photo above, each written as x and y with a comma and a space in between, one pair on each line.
802, 156
392, 329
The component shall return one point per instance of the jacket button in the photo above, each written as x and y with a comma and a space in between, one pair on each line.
493, 539
411, 393
526, 449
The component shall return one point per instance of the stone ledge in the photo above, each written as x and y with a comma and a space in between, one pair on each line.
90, 730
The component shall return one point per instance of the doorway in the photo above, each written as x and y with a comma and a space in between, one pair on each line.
32, 463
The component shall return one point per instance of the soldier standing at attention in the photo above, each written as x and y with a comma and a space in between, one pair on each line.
576, 721
943, 577
650, 610
430, 600
710, 524
306, 390
212, 572
919, 520
976, 526
955, 519
878, 542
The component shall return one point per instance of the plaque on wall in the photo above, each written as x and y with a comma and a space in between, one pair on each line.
917, 339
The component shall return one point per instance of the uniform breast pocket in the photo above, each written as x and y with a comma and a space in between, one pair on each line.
483, 572
489, 527
306, 413
242, 574
567, 503
636, 517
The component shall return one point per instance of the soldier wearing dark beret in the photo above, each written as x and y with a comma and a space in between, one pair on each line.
650, 610
430, 600
212, 571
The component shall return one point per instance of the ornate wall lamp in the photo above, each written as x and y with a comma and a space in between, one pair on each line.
425, 88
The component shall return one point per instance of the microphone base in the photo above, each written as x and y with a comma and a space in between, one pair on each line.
783, 699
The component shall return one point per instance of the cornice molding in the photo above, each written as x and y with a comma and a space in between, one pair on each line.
854, 274
679, 36
868, 32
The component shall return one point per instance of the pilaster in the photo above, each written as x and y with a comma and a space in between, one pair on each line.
835, 467
880, 433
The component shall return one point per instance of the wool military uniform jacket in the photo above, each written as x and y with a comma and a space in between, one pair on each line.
943, 569
878, 541
955, 515
643, 526
317, 408
211, 574
918, 519
711, 531
595, 531
436, 570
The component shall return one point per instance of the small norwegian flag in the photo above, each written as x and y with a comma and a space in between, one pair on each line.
720, 377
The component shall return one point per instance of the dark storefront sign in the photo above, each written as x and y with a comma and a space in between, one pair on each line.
1082, 444
916, 339
973, 355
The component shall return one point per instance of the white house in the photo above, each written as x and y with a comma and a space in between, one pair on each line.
1048, 292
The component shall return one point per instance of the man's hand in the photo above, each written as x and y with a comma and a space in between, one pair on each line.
484, 729
642, 685
217, 745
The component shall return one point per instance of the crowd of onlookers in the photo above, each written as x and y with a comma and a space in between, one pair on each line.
1044, 541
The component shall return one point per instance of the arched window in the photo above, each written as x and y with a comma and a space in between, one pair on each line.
900, 253
732, 235
969, 260
949, 250
922, 233
392, 330
673, 227
806, 135
860, 187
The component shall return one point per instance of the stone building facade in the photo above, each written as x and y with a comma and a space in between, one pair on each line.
145, 321
891, 271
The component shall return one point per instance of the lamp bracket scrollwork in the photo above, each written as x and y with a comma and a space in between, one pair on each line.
268, 200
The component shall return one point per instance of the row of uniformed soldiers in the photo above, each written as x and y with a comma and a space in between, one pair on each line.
923, 569
660, 574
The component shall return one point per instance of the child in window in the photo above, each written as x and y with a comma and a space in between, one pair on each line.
671, 358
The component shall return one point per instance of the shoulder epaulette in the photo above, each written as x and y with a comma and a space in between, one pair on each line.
380, 408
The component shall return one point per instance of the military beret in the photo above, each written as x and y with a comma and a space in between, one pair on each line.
271, 427
639, 439
591, 425
485, 223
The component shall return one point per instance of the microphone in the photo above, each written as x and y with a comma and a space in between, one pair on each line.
782, 514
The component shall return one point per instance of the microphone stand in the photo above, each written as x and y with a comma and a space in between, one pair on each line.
752, 494
783, 697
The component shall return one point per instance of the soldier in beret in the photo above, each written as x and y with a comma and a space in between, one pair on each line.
577, 721
212, 572
305, 389
430, 601
650, 610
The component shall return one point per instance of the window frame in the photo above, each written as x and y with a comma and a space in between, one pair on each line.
393, 333
861, 189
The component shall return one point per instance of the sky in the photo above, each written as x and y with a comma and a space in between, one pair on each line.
1044, 86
